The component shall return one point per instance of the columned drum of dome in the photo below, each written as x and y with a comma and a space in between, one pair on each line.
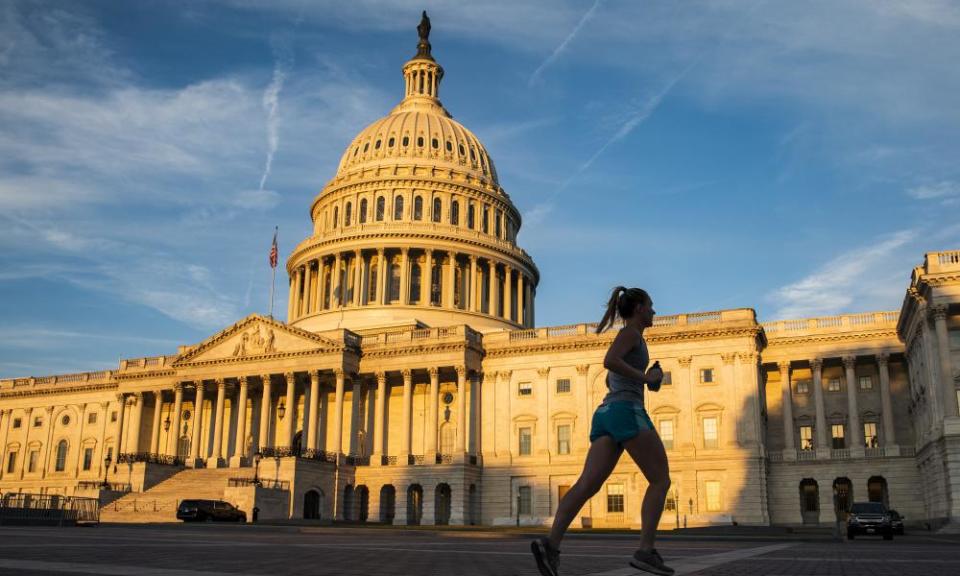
414, 227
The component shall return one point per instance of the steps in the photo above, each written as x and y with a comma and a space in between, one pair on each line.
159, 503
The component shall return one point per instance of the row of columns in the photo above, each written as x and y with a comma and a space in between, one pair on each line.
855, 431
345, 279
217, 451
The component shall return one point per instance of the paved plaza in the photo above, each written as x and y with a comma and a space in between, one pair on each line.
217, 550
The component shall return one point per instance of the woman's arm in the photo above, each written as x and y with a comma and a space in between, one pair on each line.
613, 361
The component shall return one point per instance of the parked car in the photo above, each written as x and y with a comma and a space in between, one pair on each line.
209, 511
897, 521
869, 518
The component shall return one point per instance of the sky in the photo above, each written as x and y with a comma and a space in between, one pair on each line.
794, 158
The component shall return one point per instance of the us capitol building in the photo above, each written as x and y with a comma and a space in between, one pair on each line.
410, 383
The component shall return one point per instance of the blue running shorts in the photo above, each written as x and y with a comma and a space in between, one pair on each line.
620, 420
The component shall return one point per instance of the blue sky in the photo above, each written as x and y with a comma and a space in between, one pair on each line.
796, 158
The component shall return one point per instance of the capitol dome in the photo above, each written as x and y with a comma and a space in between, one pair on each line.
414, 228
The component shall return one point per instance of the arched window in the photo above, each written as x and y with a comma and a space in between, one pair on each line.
460, 149
348, 214
434, 143
436, 210
415, 283
420, 141
406, 141
61, 456
455, 213
485, 221
398, 208
381, 208
497, 224
449, 146
366, 146
362, 217
471, 217
336, 216
418, 208
376, 146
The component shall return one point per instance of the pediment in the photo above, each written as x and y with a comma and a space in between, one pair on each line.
253, 337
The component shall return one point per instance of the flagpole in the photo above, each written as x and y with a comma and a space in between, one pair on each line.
273, 279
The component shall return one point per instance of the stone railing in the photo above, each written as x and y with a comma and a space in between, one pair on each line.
946, 261
841, 323
574, 330
148, 457
146, 363
384, 339
259, 482
56, 380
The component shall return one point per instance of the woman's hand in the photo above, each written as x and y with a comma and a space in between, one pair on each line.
654, 376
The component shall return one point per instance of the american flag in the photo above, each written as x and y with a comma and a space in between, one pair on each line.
273, 250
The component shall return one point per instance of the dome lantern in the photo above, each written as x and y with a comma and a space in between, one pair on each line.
422, 74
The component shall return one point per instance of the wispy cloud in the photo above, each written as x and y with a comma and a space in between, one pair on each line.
271, 104
587, 16
861, 278
943, 190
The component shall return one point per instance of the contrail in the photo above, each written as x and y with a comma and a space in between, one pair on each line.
563, 45
271, 104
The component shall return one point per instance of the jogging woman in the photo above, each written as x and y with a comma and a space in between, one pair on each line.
620, 423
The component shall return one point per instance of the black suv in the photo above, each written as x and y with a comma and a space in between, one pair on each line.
209, 510
897, 521
869, 518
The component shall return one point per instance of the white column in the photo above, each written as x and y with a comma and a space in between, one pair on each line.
133, 443
939, 314
102, 443
338, 414
475, 389
461, 445
358, 278
541, 442
382, 269
337, 284
492, 288
508, 292
218, 421
404, 276
174, 438
823, 438
405, 419
313, 416
240, 442
426, 278
521, 289
117, 442
433, 398
265, 414
48, 448
787, 401
155, 427
290, 412
883, 360
856, 432
5, 415
378, 417
685, 388
448, 283
291, 299
730, 398
473, 299
355, 415
197, 424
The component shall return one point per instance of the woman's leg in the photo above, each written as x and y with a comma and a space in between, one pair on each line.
647, 451
601, 459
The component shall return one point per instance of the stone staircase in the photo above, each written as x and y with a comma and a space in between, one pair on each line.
159, 503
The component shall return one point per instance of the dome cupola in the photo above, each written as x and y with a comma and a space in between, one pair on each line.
414, 227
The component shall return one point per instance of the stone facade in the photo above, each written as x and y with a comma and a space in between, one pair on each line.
410, 384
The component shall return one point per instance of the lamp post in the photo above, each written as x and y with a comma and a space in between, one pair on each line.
106, 468
256, 468
281, 410
676, 504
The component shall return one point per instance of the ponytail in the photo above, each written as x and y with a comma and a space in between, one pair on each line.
622, 303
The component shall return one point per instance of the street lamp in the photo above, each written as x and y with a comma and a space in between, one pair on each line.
106, 467
256, 468
166, 424
281, 410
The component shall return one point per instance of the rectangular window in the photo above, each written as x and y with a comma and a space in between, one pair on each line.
713, 496
706, 375
866, 383
710, 432
667, 379
563, 439
92, 418
803, 386
833, 385
526, 441
17, 422
37, 421
870, 439
666, 433
87, 458
614, 498
836, 432
563, 386
670, 504
806, 437
32, 461
525, 389
113, 416
11, 462
525, 494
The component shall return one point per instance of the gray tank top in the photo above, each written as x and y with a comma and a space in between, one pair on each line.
623, 389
